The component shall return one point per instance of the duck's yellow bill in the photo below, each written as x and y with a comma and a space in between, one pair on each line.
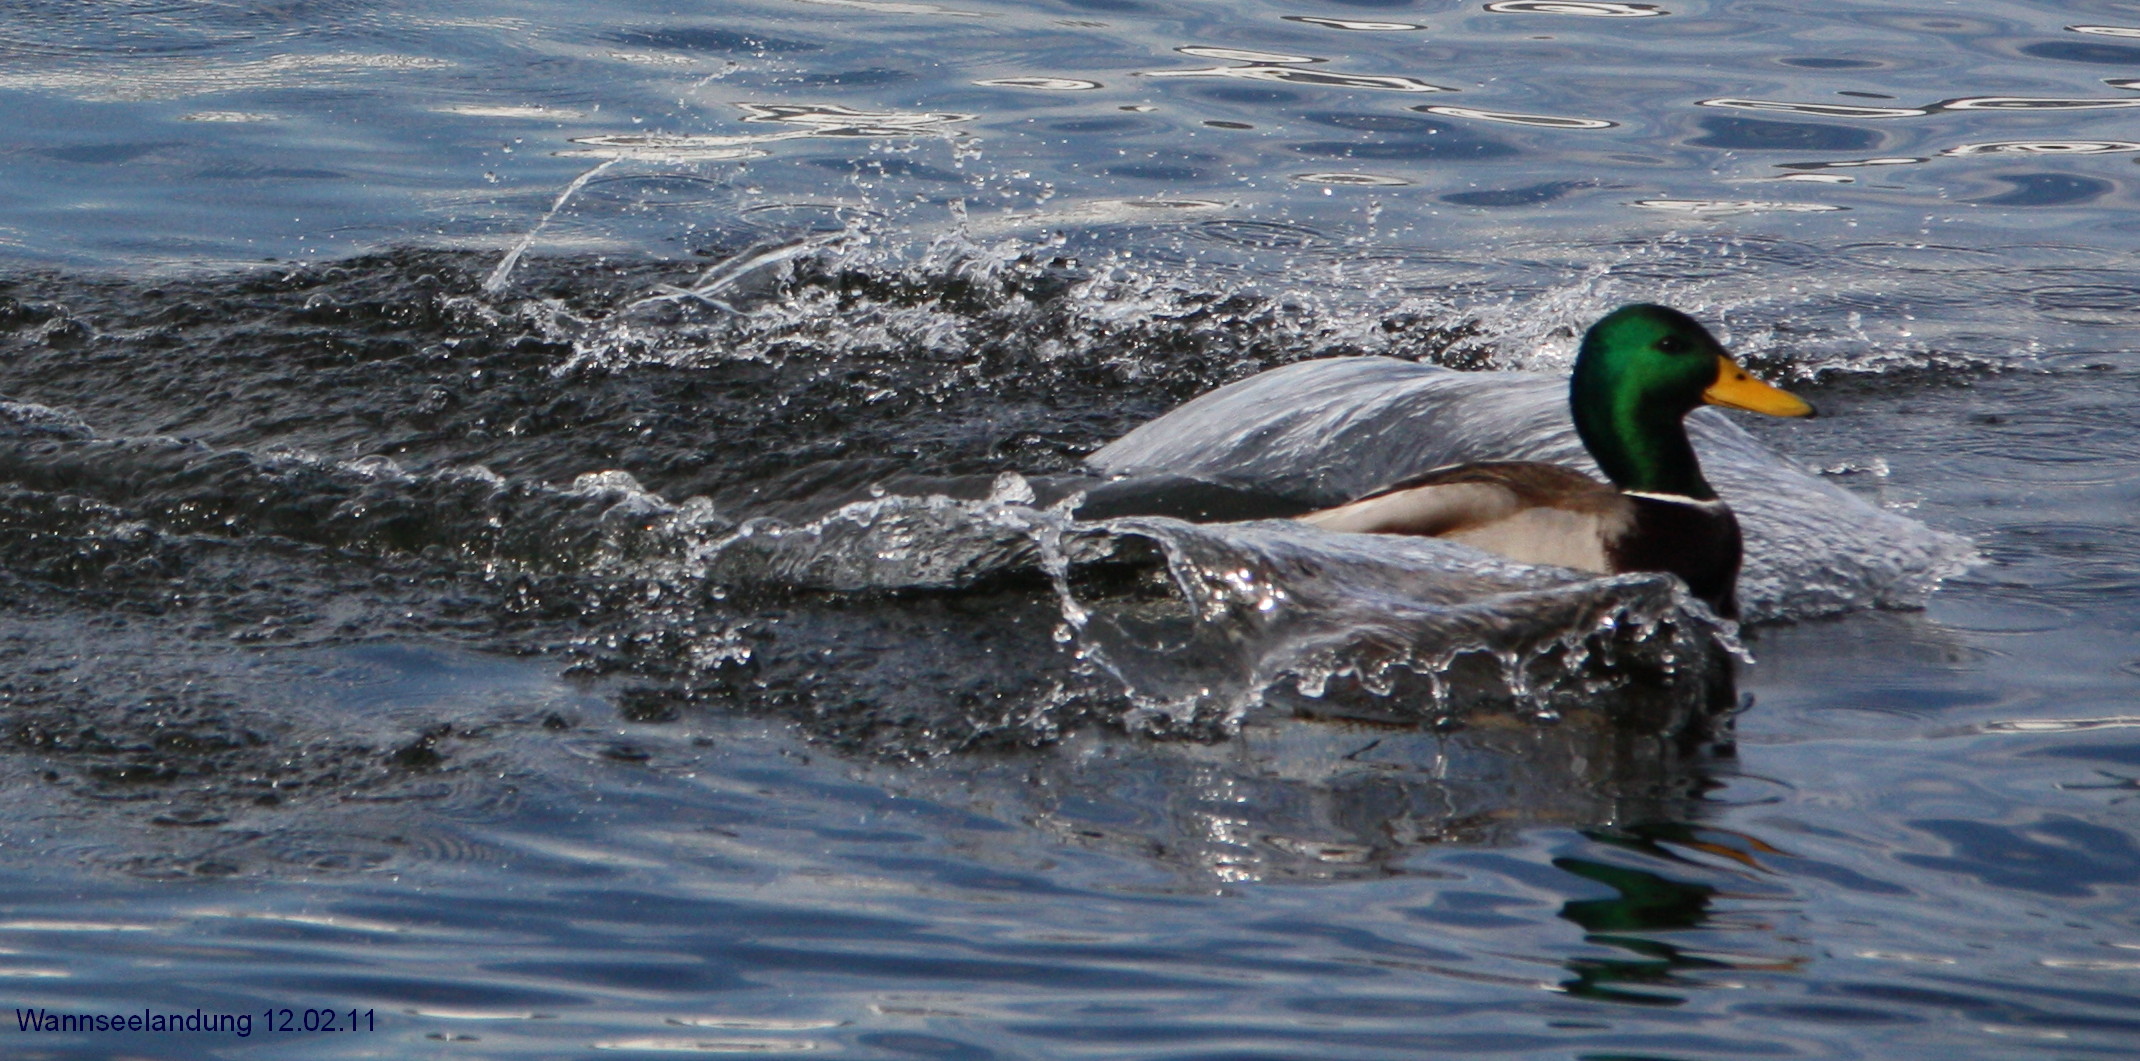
1737, 390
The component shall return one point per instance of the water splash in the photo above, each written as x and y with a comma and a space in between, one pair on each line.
504, 272
1330, 431
1198, 627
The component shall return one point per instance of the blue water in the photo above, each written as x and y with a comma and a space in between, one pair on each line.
329, 684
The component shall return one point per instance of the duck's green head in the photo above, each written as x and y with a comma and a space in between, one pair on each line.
1640, 371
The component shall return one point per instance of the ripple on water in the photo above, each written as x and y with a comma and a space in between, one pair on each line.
1826, 110
675, 1045
2023, 446
2036, 103
1357, 180
158, 28
1356, 25
2043, 147
1532, 195
1828, 62
1535, 121
2004, 614
2084, 52
1733, 207
2048, 190
791, 218
2053, 855
1042, 84
1271, 235
657, 191
711, 39
189, 77
1582, 8
1291, 69
1757, 134
1938, 23
1397, 138
987, 357
1921, 257
2105, 303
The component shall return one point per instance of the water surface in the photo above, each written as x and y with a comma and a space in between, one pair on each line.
387, 392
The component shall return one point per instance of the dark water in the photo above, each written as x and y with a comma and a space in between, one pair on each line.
428, 594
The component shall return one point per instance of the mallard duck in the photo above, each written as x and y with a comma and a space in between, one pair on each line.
1639, 372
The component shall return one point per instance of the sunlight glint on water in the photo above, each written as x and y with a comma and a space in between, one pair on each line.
472, 635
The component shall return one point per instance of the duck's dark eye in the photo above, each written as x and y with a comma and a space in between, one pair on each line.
1672, 344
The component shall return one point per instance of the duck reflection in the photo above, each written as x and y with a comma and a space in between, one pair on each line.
1288, 798
1647, 906
1645, 902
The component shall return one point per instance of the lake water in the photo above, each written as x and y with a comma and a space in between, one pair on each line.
433, 628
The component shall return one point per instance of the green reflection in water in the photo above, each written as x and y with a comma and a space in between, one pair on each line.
1648, 903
